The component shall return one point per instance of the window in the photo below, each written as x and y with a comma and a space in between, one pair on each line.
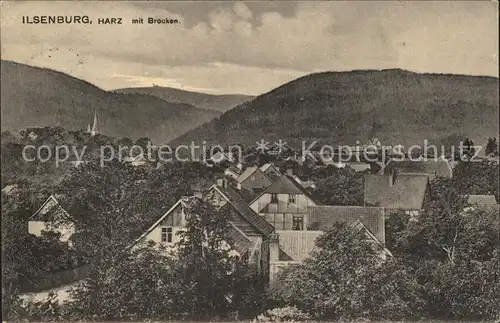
298, 223
291, 198
274, 198
166, 235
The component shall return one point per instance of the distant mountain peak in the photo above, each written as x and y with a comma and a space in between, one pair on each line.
38, 97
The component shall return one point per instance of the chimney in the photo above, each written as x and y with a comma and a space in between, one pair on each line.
289, 172
222, 182
239, 166
238, 186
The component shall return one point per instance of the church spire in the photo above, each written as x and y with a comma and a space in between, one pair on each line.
94, 130
94, 125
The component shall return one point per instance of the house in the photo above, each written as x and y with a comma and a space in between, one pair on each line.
78, 163
10, 189
270, 171
220, 157
295, 246
248, 231
284, 204
234, 171
305, 184
51, 216
359, 166
253, 178
408, 193
135, 161
32, 135
481, 202
374, 142
439, 167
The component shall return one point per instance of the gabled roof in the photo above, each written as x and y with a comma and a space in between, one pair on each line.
239, 204
435, 167
220, 156
247, 173
323, 216
286, 185
270, 171
358, 225
239, 240
152, 227
407, 191
49, 209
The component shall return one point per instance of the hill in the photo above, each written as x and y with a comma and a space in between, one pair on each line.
221, 103
398, 107
38, 97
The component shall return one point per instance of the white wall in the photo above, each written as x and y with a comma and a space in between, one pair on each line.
66, 230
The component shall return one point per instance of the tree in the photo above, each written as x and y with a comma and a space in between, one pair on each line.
491, 147
344, 278
207, 264
343, 187
468, 149
454, 253
135, 286
200, 278
27, 258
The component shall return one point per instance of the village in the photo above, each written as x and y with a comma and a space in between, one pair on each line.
258, 161
275, 216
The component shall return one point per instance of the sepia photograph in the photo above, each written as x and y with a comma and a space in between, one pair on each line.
250, 161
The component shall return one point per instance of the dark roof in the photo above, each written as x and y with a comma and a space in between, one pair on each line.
407, 191
323, 216
244, 209
287, 185
239, 240
249, 195
438, 167
234, 169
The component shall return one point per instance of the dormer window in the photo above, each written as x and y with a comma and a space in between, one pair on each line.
291, 198
274, 198
166, 235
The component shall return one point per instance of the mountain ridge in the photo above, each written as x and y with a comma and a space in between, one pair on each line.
216, 102
37, 97
395, 105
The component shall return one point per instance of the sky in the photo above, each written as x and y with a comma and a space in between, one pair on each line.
251, 47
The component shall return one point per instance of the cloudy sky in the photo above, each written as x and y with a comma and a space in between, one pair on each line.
252, 47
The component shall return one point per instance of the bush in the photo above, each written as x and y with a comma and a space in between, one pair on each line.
283, 314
